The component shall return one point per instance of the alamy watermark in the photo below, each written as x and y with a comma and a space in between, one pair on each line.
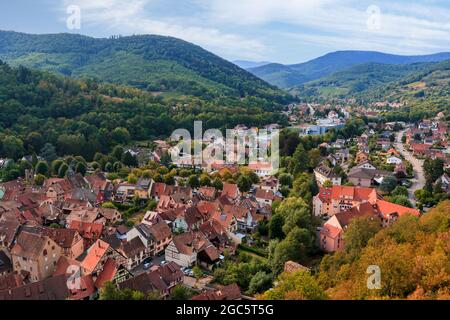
258, 148
373, 21
73, 22
374, 280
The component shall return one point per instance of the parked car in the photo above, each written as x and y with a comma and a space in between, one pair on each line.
147, 260
163, 262
148, 265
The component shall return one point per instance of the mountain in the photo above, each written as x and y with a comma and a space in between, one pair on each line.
150, 62
423, 87
245, 64
354, 80
287, 76
80, 117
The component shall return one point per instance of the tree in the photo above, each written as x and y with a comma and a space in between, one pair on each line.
39, 179
314, 158
244, 183
198, 273
401, 200
180, 292
276, 227
260, 282
298, 285
81, 168
327, 184
205, 180
359, 232
286, 179
42, 168
296, 246
63, 170
129, 160
117, 152
388, 185
13, 147
217, 183
48, 152
194, 181
295, 212
400, 191
433, 169
299, 162
120, 135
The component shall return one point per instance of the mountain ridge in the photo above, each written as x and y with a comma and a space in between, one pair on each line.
287, 76
151, 62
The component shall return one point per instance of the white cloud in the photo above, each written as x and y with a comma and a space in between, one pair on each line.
256, 29
128, 17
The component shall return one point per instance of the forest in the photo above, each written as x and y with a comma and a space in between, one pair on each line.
41, 111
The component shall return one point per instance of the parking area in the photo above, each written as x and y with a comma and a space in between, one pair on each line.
156, 261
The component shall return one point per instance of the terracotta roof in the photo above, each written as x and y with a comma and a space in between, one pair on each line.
160, 231
230, 292
10, 281
330, 231
94, 255
107, 274
54, 288
364, 209
8, 230
29, 245
264, 194
353, 193
388, 208
63, 237
87, 230
133, 248
230, 190
189, 242
207, 192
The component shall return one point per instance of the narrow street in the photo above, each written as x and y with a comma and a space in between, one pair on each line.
419, 176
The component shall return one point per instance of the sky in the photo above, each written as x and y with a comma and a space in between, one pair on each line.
283, 31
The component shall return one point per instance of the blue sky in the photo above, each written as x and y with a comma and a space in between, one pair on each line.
285, 31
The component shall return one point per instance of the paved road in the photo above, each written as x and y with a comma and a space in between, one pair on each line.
419, 176
156, 261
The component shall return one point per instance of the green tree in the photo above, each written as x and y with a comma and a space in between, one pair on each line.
358, 234
13, 147
81, 168
299, 161
260, 282
286, 179
180, 292
39, 179
217, 183
63, 170
276, 227
42, 168
198, 273
298, 285
388, 185
244, 183
194, 181
48, 152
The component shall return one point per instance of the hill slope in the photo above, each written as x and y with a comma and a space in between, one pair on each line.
355, 80
149, 62
286, 76
83, 117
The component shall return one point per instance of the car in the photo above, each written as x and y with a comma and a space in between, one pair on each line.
147, 260
163, 262
148, 265
191, 273
186, 271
